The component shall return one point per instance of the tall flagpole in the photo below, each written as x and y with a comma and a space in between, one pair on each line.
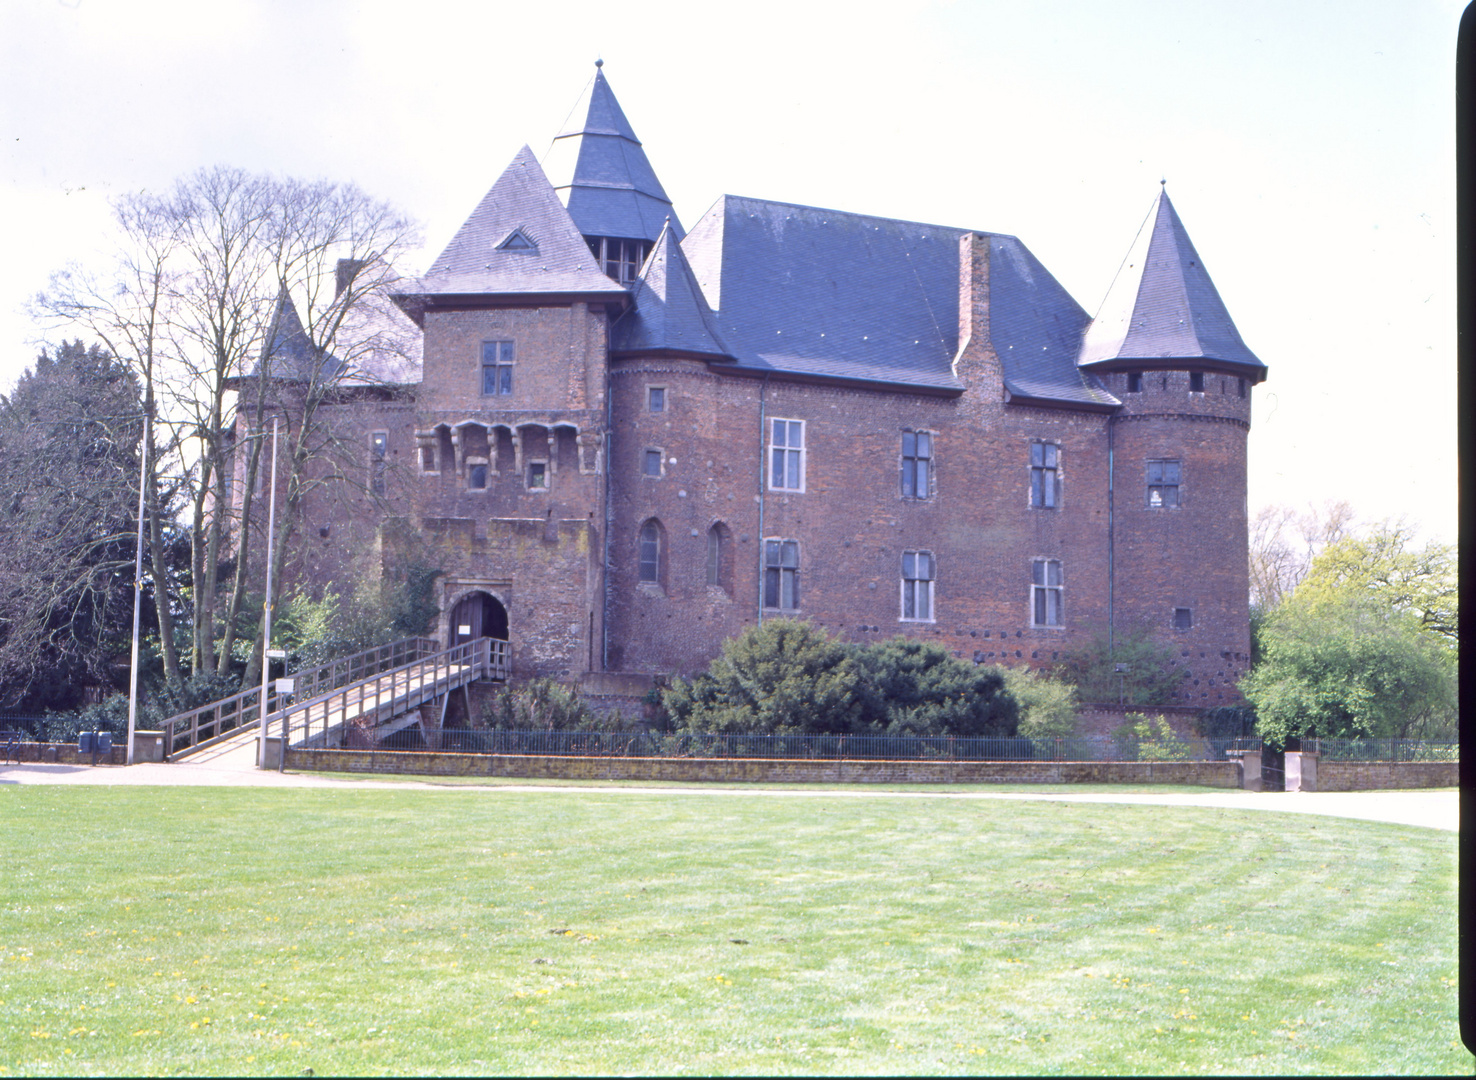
138, 558
266, 626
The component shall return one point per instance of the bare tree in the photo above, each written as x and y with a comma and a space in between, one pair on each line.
194, 303
1283, 543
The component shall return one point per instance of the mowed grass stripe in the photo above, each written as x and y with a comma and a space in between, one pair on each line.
383, 931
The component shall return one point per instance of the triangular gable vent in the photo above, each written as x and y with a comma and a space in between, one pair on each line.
517, 240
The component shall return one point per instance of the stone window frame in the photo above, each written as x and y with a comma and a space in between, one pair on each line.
917, 589
1164, 482
429, 451
501, 365
652, 390
478, 468
720, 558
1047, 594
651, 554
781, 574
922, 460
1183, 618
532, 464
648, 455
378, 463
1046, 477
794, 457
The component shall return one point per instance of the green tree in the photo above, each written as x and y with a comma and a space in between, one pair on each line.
1366, 645
915, 688
69, 438
784, 677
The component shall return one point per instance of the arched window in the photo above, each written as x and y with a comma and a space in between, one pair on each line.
720, 557
652, 553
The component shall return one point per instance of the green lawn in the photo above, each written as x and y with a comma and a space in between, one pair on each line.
248, 930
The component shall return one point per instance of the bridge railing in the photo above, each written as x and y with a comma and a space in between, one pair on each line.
207, 723
398, 690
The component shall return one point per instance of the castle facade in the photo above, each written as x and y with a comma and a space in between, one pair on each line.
628, 441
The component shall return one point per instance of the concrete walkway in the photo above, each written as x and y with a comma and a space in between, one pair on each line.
235, 766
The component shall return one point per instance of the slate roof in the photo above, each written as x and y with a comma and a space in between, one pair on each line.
602, 174
377, 345
803, 291
289, 349
670, 314
1162, 306
487, 256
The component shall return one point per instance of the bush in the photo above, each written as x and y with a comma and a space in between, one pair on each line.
791, 678
1047, 705
1151, 677
544, 705
915, 688
1228, 722
1152, 738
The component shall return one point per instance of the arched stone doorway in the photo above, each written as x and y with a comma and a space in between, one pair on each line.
477, 615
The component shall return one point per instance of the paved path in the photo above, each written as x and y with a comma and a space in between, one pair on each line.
234, 766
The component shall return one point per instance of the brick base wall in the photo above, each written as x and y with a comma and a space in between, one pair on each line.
1386, 775
1221, 774
66, 754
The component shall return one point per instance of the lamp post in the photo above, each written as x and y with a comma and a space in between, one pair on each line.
266, 624
138, 555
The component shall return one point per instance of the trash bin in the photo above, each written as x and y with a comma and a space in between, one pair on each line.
85, 742
105, 743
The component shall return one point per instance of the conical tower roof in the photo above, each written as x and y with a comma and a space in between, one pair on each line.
602, 175
1163, 310
519, 240
670, 313
288, 350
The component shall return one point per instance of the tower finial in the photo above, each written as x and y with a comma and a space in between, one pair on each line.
599, 63
1163, 183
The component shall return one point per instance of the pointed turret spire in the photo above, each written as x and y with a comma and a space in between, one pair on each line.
288, 348
601, 173
1163, 309
670, 314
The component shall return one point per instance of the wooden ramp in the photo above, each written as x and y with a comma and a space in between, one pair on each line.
337, 714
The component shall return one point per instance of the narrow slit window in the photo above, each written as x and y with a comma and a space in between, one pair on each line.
476, 477
378, 451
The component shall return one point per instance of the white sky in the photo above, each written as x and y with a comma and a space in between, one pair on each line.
1309, 149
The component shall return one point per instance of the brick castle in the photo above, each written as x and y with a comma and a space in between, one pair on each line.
626, 441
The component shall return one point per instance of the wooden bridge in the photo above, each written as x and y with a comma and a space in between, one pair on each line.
362, 697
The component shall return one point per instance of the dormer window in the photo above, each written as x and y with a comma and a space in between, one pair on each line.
518, 240
618, 258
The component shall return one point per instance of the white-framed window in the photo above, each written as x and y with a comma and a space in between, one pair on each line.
1045, 593
781, 575
919, 569
378, 452
653, 462
917, 464
497, 368
786, 455
1045, 475
655, 399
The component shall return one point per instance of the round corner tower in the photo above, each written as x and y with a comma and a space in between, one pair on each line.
1165, 346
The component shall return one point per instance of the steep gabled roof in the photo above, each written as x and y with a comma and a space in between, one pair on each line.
670, 314
602, 174
480, 261
823, 293
1163, 307
288, 351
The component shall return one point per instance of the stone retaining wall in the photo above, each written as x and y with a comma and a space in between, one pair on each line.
1386, 775
1223, 774
66, 754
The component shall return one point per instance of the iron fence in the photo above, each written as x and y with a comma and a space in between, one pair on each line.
812, 747
1381, 750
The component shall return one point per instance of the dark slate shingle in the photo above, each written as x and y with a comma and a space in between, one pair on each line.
670, 314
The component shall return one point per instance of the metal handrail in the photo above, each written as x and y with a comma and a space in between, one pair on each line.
238, 709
